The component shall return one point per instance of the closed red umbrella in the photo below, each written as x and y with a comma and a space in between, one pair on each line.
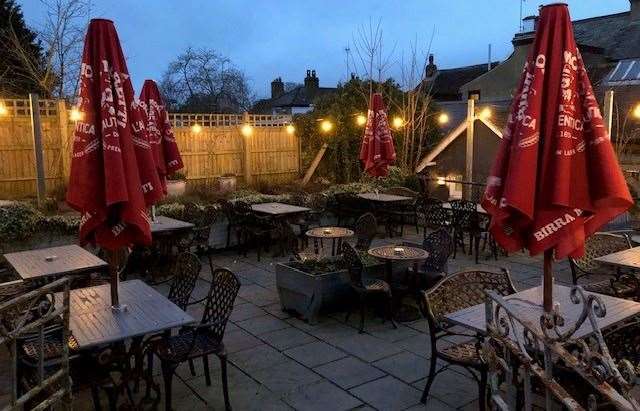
113, 176
163, 142
377, 152
556, 178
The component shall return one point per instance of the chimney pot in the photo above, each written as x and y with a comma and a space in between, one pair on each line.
635, 10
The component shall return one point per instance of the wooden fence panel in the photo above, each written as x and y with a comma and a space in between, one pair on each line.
216, 150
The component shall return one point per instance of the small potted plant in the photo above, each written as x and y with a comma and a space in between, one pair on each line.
227, 183
312, 285
176, 184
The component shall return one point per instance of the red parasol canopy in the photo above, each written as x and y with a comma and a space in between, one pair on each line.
163, 143
556, 178
377, 151
113, 176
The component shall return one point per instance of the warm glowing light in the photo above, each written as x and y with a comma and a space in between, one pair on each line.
196, 128
3, 109
246, 130
441, 181
636, 111
443, 118
485, 113
75, 114
290, 129
326, 126
361, 120
397, 122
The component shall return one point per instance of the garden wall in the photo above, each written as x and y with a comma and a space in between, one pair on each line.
269, 155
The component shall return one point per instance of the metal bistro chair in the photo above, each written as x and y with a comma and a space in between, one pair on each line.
318, 204
201, 340
433, 216
401, 213
464, 221
253, 229
618, 284
365, 287
456, 292
439, 245
365, 230
203, 218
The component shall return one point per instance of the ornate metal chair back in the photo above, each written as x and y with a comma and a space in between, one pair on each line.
28, 315
436, 216
439, 244
598, 245
193, 213
352, 262
365, 230
219, 303
184, 281
462, 290
464, 213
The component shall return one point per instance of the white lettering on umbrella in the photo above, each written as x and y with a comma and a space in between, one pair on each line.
555, 225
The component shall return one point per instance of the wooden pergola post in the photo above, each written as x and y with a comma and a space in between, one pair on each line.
248, 178
36, 130
608, 111
468, 176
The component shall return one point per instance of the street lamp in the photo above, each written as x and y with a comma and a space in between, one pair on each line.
361, 120
397, 122
290, 129
636, 111
3, 109
246, 130
75, 114
196, 128
485, 113
443, 119
326, 126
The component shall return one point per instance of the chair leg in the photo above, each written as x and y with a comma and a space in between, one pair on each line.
477, 246
362, 308
225, 382
432, 376
112, 395
149, 374
192, 368
228, 235
390, 311
482, 387
95, 394
167, 375
207, 374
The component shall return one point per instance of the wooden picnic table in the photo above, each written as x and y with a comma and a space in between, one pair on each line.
626, 258
278, 209
528, 306
384, 198
94, 323
164, 224
48, 263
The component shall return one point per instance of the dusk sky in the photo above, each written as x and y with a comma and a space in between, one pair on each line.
267, 39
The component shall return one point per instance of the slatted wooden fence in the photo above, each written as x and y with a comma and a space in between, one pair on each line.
270, 154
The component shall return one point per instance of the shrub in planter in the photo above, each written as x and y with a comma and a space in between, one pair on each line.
176, 184
307, 287
18, 222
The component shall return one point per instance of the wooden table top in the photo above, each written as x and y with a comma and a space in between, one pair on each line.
278, 208
626, 258
618, 309
398, 252
384, 198
329, 232
54, 261
93, 322
165, 224
479, 207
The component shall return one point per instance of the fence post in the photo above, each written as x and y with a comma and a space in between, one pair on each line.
471, 114
608, 111
36, 130
65, 152
248, 178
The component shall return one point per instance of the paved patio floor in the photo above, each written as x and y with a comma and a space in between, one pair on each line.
278, 362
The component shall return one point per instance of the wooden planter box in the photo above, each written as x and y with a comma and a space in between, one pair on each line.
308, 294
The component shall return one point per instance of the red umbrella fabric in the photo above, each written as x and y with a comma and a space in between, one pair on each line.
113, 176
556, 178
377, 151
163, 142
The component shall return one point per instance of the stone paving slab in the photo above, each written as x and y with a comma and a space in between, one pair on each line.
349, 372
451, 387
286, 376
321, 396
262, 324
315, 353
405, 366
287, 338
366, 347
387, 393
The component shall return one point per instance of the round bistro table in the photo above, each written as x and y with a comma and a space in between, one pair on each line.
391, 253
334, 233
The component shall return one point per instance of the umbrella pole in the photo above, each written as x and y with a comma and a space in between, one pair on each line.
114, 265
547, 281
